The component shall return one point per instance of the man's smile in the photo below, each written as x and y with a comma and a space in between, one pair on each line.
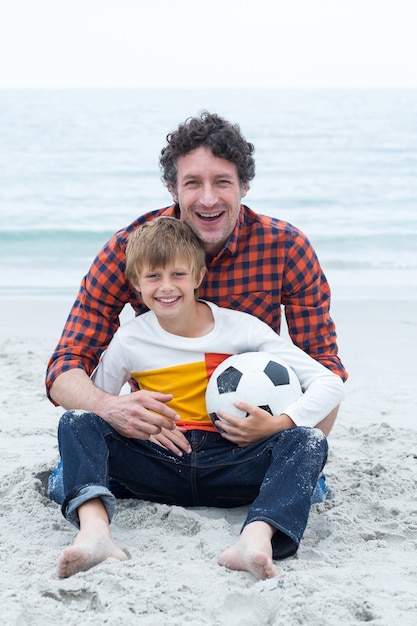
209, 216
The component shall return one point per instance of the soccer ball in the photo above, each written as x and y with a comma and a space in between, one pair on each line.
258, 378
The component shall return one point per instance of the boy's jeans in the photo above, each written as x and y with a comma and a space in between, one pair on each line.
275, 476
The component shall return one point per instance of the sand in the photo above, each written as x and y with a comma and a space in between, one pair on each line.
357, 561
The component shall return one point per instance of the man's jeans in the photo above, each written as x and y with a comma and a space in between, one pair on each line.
275, 476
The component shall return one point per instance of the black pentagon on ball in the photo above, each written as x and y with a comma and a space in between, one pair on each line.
265, 407
228, 380
277, 374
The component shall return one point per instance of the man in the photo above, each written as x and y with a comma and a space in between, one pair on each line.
255, 264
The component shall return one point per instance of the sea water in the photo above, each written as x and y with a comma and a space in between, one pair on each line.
77, 165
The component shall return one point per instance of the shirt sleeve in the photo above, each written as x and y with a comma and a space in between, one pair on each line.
94, 317
306, 297
322, 389
113, 370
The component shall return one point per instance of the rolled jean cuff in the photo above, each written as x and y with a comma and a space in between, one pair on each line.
70, 508
284, 542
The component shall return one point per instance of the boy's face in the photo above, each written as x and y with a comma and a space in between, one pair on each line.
169, 291
209, 194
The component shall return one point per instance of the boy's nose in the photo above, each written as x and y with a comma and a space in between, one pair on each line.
166, 284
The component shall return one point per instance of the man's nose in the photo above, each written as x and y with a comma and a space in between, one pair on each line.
208, 195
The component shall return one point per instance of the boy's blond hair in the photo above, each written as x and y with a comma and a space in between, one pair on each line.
160, 242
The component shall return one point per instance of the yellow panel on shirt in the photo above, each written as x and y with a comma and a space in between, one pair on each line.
188, 385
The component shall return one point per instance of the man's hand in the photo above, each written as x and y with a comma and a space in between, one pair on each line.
139, 414
136, 415
258, 425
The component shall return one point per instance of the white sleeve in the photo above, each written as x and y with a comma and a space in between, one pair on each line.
112, 371
322, 389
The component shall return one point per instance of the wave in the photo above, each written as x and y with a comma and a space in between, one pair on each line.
46, 246
54, 234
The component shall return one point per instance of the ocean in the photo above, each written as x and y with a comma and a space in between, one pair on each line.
77, 165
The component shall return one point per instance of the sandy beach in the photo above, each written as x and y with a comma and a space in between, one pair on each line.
357, 561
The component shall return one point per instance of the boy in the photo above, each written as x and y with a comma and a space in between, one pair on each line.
269, 462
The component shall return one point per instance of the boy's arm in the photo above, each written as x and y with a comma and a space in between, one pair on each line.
323, 391
261, 424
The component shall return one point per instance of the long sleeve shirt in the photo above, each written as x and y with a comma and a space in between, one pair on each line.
161, 361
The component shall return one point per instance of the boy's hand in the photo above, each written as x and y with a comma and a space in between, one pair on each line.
173, 440
256, 426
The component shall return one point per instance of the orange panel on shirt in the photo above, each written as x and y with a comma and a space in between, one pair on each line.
213, 360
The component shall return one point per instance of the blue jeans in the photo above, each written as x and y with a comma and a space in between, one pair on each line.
276, 476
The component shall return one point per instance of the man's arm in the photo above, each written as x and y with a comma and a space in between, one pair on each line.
93, 320
94, 317
307, 312
306, 298
138, 414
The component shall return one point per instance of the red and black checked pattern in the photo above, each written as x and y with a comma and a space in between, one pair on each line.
265, 265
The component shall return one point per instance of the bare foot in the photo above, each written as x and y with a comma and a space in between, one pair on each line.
91, 547
252, 552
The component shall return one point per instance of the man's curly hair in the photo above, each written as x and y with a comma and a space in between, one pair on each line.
211, 131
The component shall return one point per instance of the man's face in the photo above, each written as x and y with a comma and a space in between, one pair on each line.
209, 194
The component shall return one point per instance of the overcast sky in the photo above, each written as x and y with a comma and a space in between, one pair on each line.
215, 43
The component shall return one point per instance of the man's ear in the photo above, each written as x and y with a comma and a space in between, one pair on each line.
172, 191
245, 189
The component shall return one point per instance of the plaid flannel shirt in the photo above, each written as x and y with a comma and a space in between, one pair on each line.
265, 263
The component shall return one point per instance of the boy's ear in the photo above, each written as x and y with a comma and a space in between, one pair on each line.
136, 287
202, 275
